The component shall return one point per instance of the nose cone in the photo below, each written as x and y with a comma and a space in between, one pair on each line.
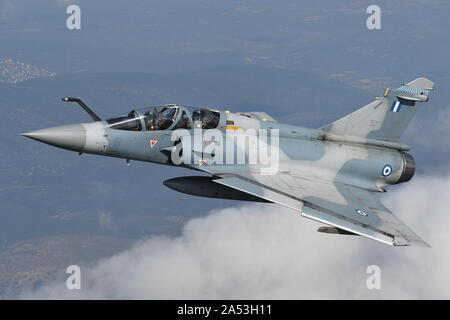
71, 137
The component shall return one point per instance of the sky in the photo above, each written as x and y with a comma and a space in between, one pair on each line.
305, 63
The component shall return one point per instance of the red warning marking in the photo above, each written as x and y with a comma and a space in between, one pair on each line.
201, 161
153, 142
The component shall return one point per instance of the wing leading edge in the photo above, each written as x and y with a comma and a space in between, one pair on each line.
348, 208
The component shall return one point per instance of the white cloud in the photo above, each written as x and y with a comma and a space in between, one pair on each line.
266, 251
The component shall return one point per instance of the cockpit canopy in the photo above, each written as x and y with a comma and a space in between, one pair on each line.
168, 117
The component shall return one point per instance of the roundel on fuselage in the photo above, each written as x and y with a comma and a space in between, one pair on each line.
387, 170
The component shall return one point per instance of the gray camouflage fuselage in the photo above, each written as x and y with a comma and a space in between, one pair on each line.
303, 151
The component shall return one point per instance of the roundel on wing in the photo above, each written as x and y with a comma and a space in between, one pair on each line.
358, 211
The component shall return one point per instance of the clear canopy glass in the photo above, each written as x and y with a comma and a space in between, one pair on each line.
168, 117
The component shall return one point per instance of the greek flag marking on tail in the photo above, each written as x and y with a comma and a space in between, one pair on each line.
395, 107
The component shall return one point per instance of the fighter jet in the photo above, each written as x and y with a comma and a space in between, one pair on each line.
330, 174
